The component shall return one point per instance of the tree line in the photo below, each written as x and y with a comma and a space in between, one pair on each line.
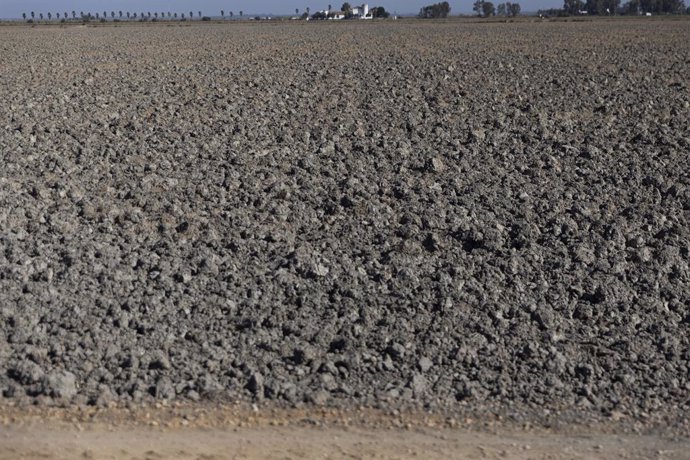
610, 7
120, 16
435, 11
487, 9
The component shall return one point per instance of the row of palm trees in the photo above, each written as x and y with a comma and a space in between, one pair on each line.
120, 15
133, 16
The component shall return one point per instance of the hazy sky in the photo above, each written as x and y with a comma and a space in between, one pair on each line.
15, 8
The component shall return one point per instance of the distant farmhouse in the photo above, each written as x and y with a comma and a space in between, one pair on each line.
356, 12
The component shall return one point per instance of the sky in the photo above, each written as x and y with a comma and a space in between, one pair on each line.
15, 8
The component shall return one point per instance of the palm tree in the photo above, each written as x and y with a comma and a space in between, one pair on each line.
24, 16
120, 14
33, 15
191, 15
40, 15
308, 10
169, 14
175, 15
329, 7
155, 15
182, 16
96, 15
231, 14
222, 14
105, 14
50, 16
241, 13
128, 15
64, 15
74, 14
112, 15
296, 11
199, 16
162, 14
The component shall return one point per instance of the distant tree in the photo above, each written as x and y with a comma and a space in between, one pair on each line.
148, 15
347, 10
50, 16
128, 15
670, 6
155, 15
437, 10
40, 15
64, 15
649, 6
57, 15
222, 14
379, 12
175, 15
169, 15
501, 10
329, 7
182, 16
33, 15
552, 12
513, 9
74, 14
477, 7
191, 15
632, 7
488, 9
595, 6
24, 16
231, 15
573, 7
105, 14
120, 14
241, 13
199, 14
96, 15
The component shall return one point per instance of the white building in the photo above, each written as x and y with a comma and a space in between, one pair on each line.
360, 12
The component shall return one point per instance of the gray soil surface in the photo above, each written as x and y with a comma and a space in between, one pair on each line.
452, 217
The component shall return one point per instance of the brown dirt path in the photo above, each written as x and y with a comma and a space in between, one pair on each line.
180, 432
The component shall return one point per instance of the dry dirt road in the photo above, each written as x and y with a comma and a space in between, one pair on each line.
191, 432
